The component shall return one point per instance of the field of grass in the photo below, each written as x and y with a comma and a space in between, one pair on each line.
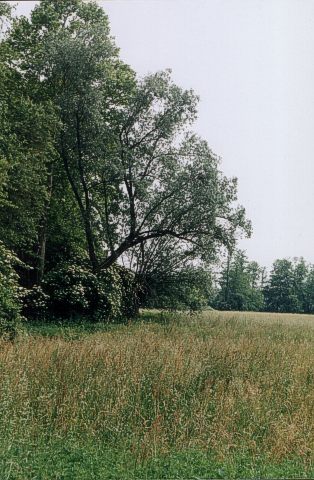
219, 395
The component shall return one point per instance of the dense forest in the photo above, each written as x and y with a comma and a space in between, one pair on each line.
108, 200
245, 285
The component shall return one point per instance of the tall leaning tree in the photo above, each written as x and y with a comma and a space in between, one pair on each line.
166, 190
143, 183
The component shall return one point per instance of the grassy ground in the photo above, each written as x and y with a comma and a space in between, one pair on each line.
221, 395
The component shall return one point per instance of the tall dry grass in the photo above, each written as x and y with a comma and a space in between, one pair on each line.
224, 382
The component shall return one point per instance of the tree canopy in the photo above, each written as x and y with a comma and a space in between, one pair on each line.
108, 198
137, 178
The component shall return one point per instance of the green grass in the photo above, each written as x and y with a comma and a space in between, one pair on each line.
66, 329
70, 459
220, 395
78, 328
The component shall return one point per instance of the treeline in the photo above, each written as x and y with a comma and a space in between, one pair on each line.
244, 285
108, 200
105, 192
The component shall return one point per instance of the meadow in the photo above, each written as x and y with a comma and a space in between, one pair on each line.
215, 395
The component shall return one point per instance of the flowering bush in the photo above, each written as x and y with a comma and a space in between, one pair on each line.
35, 302
73, 289
10, 304
67, 286
106, 297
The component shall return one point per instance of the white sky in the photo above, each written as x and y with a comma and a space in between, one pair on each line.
252, 63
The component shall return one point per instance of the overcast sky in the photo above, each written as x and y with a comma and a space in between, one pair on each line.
252, 63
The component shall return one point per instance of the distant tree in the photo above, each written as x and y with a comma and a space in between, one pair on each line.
256, 275
280, 293
309, 291
301, 272
240, 284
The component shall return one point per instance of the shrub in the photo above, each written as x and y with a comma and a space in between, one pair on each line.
67, 287
106, 296
10, 302
35, 302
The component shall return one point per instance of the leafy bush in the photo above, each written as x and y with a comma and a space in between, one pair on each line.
72, 289
10, 304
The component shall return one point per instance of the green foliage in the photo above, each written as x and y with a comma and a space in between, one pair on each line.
65, 236
106, 295
169, 184
135, 171
71, 459
95, 161
308, 290
132, 290
27, 127
280, 292
188, 289
5, 16
35, 302
244, 285
71, 289
10, 305
240, 285
290, 287
26, 154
